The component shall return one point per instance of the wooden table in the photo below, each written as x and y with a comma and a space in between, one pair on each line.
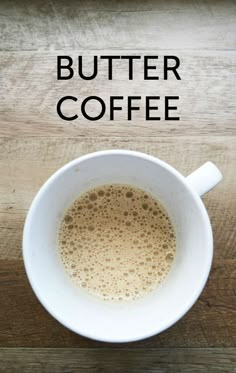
35, 142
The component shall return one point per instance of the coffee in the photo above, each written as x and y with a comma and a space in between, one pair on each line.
117, 242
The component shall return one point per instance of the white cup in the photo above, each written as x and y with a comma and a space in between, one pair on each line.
125, 321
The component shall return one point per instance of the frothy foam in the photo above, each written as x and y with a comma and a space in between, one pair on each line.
117, 242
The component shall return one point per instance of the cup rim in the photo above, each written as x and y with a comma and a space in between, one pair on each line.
198, 201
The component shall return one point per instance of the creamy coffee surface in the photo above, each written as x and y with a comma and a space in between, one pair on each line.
117, 242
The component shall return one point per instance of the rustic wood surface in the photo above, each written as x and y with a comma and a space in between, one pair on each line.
34, 142
151, 360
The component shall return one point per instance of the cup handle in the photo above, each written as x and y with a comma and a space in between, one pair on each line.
204, 178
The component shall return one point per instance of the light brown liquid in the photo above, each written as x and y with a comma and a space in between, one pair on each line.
117, 242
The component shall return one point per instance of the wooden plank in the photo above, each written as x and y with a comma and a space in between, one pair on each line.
33, 25
118, 360
30, 92
26, 163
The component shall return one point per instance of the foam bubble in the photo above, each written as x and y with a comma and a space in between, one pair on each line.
129, 194
169, 258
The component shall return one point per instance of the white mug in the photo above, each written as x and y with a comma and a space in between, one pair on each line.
132, 320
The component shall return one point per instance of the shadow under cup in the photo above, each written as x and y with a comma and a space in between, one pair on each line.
84, 313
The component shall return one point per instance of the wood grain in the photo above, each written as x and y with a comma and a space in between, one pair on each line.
205, 107
138, 360
104, 24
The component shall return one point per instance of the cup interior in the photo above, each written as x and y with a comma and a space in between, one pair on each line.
84, 313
